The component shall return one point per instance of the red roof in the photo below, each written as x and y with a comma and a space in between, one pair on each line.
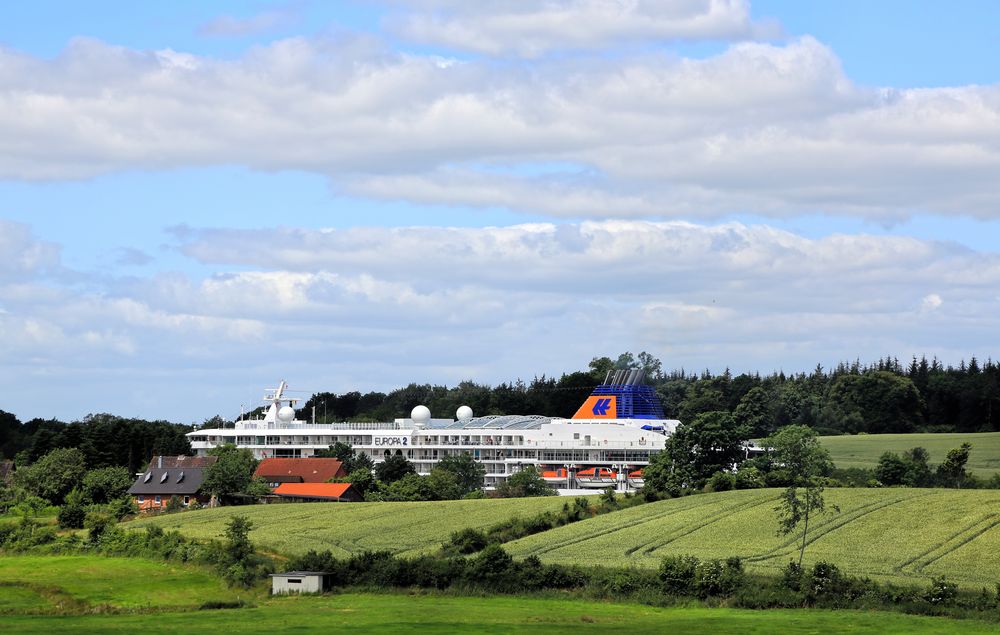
309, 470
313, 490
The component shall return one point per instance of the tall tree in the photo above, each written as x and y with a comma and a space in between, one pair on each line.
805, 462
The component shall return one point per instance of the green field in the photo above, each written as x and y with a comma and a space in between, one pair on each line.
364, 613
346, 528
903, 535
79, 583
863, 450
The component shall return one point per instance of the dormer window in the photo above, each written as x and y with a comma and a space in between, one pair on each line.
180, 477
163, 479
148, 476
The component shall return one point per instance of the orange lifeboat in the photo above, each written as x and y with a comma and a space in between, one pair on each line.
635, 478
555, 476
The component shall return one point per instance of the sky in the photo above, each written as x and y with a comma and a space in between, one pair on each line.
198, 200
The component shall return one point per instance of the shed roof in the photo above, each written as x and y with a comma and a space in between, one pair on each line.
313, 490
311, 470
298, 574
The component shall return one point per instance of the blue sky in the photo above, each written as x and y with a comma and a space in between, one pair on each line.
166, 161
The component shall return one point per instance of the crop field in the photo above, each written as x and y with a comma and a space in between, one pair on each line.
864, 450
365, 613
901, 535
346, 528
40, 584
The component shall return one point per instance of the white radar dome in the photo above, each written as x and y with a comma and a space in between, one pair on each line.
464, 413
286, 414
420, 415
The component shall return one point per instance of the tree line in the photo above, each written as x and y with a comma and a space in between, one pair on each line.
104, 440
882, 397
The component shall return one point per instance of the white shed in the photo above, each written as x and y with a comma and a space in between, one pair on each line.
299, 582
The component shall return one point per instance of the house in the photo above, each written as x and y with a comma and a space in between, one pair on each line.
312, 492
311, 470
300, 582
169, 476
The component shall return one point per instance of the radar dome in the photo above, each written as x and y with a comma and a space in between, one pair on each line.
420, 415
286, 414
464, 413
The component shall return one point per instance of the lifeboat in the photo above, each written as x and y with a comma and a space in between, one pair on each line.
555, 476
597, 477
635, 478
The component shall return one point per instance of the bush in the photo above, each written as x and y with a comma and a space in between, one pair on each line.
721, 482
468, 541
174, 505
491, 568
941, 592
791, 576
97, 522
749, 477
677, 574
71, 516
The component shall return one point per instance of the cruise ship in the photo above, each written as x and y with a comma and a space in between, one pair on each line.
606, 443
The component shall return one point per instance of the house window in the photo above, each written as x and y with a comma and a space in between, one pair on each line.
187, 500
141, 499
294, 581
157, 499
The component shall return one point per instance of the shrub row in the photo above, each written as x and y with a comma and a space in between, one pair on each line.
679, 579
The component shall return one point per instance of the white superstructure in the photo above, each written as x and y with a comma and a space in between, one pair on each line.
560, 448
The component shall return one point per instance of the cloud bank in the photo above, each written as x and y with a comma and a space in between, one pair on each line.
373, 308
761, 128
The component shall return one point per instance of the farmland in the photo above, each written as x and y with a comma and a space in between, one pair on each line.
901, 535
864, 450
346, 528
366, 613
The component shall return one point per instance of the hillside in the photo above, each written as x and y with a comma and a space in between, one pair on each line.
345, 528
901, 534
864, 450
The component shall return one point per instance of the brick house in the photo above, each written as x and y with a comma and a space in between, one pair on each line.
169, 476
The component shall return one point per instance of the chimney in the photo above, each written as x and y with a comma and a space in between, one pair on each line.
159, 462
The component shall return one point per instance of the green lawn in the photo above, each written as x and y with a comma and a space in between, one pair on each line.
346, 528
863, 450
30, 582
363, 613
902, 535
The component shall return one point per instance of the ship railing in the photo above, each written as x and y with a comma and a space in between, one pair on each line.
371, 425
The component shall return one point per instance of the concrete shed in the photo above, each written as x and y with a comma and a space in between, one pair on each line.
300, 582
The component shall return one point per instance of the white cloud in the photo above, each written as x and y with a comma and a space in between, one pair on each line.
22, 256
532, 28
263, 22
374, 308
774, 130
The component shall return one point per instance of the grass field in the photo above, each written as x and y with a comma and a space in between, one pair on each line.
864, 450
345, 528
77, 583
903, 535
363, 613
